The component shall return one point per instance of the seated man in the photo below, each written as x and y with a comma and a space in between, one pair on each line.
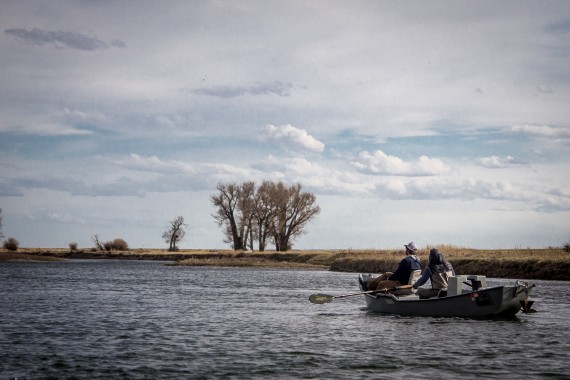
437, 271
401, 276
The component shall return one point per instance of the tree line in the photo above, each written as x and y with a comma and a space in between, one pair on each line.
269, 213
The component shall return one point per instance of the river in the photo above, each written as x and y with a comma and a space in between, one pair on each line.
100, 319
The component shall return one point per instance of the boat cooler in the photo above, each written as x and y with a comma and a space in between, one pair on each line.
455, 284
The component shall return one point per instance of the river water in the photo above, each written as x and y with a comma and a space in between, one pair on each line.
98, 319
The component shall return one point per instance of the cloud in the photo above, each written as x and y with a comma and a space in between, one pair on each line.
553, 204
560, 192
63, 217
8, 190
71, 40
383, 164
79, 117
178, 175
295, 138
331, 180
543, 131
155, 164
435, 188
314, 176
495, 162
69, 122
119, 44
275, 88
41, 128
561, 27
544, 89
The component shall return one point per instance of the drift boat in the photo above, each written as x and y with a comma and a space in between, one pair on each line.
478, 301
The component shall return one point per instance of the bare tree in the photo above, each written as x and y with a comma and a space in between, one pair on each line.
97, 242
272, 211
265, 211
246, 210
294, 209
226, 202
175, 233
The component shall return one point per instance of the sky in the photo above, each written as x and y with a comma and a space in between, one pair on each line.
438, 122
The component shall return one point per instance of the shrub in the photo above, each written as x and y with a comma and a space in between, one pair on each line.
116, 245
73, 247
11, 244
566, 247
120, 245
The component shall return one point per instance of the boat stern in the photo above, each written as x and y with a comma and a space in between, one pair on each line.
521, 293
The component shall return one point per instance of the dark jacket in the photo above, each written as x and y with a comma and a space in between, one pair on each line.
405, 268
437, 263
437, 270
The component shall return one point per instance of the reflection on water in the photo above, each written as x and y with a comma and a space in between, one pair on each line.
137, 319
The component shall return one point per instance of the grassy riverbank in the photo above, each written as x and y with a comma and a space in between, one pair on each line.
6, 256
548, 263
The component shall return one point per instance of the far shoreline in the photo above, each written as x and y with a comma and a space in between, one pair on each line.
543, 264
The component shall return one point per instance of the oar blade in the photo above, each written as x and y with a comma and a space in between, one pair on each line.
321, 298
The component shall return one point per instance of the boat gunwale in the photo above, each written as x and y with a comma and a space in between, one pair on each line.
416, 298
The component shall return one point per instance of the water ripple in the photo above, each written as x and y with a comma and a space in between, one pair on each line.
145, 320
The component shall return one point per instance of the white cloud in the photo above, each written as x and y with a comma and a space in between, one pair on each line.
56, 123
76, 116
496, 162
177, 175
435, 188
43, 128
383, 164
544, 131
155, 164
275, 88
553, 204
294, 138
60, 39
63, 218
315, 175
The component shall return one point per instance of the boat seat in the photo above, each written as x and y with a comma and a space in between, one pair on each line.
413, 278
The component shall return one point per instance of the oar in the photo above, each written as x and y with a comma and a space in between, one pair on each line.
326, 298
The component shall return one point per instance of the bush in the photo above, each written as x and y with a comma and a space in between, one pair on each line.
566, 247
11, 244
73, 247
116, 245
120, 245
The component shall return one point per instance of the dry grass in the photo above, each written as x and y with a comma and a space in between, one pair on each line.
547, 263
7, 256
325, 257
454, 253
248, 262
